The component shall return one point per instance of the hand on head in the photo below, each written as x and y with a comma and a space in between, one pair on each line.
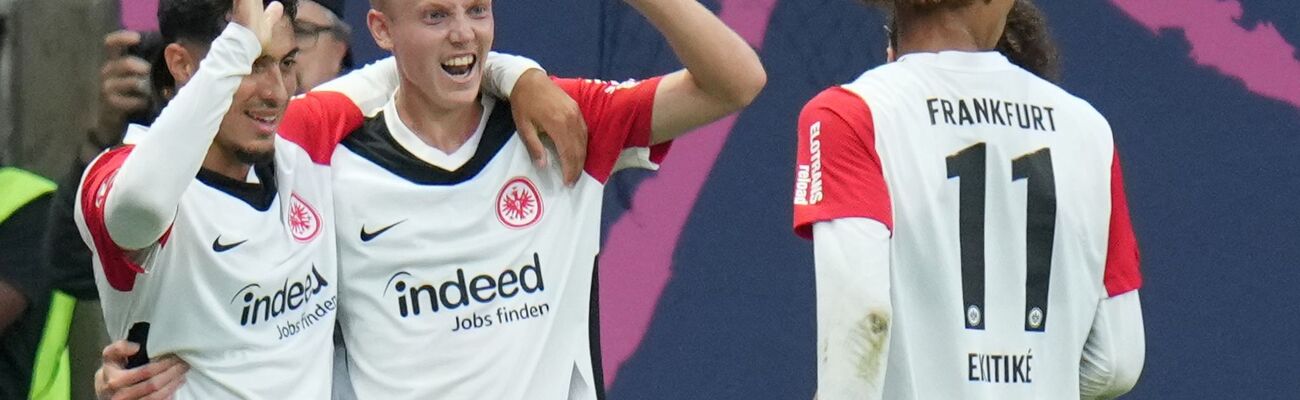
261, 21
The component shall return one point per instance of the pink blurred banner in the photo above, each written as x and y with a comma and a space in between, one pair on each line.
1258, 55
636, 262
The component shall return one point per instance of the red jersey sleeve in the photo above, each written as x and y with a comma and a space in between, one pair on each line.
618, 117
318, 121
1122, 259
838, 173
118, 267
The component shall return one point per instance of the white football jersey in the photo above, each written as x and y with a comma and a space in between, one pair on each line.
1006, 205
472, 275
243, 285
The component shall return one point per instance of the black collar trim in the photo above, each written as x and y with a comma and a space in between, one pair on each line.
375, 143
257, 195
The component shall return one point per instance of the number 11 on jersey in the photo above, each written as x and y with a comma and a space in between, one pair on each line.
970, 165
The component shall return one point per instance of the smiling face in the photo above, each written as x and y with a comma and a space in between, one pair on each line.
440, 45
248, 129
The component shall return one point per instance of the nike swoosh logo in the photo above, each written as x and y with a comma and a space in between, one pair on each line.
368, 236
221, 248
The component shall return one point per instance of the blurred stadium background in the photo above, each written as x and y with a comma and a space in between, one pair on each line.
705, 293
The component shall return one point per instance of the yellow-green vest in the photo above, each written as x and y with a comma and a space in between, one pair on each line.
50, 376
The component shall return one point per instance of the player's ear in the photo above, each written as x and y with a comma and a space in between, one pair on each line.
379, 25
181, 63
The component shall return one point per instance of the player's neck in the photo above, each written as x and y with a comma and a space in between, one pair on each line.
226, 164
948, 31
443, 127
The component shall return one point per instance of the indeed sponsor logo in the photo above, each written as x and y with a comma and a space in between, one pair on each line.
259, 305
459, 292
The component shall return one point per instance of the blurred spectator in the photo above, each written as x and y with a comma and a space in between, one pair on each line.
323, 50
25, 295
126, 96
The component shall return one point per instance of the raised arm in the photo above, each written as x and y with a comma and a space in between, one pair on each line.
147, 188
722, 74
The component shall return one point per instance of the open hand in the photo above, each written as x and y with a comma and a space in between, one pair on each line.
251, 15
541, 107
123, 88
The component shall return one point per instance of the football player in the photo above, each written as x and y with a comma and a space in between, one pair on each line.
468, 273
970, 229
212, 229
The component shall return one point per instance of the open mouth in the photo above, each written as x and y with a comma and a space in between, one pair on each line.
266, 121
460, 66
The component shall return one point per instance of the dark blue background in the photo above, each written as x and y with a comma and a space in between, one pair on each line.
1213, 173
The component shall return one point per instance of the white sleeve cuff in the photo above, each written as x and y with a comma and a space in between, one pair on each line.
1116, 349
241, 55
502, 71
369, 87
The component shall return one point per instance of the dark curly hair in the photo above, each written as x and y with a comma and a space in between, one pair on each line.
196, 22
1025, 41
920, 5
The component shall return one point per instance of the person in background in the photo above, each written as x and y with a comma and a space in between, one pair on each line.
323, 50
125, 97
25, 294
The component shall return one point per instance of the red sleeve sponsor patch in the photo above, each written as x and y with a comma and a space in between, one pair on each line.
838, 173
